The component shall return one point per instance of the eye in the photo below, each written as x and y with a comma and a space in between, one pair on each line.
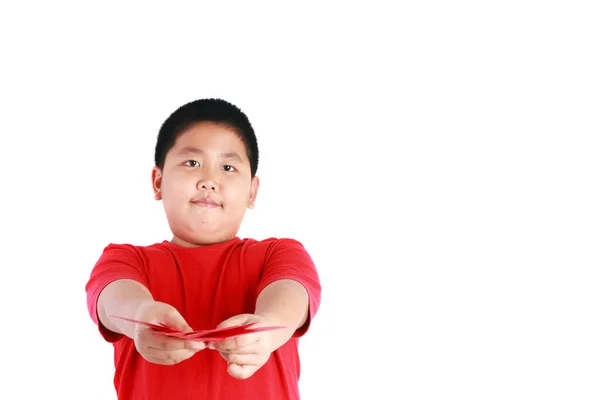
228, 168
192, 163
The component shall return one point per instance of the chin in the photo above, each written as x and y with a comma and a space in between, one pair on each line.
206, 238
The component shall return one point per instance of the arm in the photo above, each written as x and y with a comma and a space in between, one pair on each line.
284, 302
281, 300
121, 297
117, 287
130, 299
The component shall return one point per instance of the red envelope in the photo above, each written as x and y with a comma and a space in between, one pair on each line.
224, 333
159, 327
211, 335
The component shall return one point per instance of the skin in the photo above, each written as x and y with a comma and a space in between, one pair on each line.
208, 163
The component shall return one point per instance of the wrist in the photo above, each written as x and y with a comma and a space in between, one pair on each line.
278, 336
134, 309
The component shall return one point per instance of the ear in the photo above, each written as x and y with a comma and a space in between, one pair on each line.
156, 182
253, 191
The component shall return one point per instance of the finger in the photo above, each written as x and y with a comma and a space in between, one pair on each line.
195, 345
237, 342
251, 348
244, 359
169, 316
157, 356
161, 342
235, 321
241, 371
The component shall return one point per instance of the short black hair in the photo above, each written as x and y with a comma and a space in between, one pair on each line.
210, 110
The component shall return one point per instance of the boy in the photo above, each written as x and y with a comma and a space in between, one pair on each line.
206, 159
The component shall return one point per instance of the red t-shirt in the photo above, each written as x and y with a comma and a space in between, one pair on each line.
207, 285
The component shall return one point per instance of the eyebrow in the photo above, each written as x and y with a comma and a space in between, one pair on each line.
195, 150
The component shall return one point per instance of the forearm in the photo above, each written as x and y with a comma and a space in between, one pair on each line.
285, 302
121, 298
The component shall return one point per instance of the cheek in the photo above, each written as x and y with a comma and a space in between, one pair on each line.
177, 190
238, 194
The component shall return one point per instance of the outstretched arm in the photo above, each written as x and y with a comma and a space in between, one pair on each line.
130, 299
283, 302
122, 298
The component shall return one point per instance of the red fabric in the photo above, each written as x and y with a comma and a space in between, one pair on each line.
206, 285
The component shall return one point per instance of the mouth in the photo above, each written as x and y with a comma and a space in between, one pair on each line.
206, 203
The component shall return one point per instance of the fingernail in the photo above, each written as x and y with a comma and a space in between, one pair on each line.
211, 346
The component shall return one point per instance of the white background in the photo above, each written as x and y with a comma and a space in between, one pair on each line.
439, 161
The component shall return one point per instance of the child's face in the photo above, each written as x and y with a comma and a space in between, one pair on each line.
205, 185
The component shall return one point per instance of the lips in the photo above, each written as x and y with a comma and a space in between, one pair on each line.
206, 202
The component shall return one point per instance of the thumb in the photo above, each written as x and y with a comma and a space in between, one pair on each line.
169, 316
236, 320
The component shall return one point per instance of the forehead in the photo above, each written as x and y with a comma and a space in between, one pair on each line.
210, 137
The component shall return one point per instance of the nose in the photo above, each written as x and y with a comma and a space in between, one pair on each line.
207, 180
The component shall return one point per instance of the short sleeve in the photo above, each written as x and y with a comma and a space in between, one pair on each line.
116, 262
288, 259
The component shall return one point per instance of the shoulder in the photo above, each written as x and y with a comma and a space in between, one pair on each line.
127, 250
278, 251
273, 244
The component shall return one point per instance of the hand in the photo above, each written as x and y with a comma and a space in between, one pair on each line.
159, 349
247, 353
